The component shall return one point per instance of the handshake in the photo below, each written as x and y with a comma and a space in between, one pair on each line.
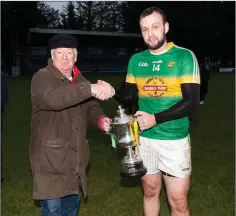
102, 90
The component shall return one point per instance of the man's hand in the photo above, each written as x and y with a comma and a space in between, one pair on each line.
106, 124
107, 86
102, 90
145, 120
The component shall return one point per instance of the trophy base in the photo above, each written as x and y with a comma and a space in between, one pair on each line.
132, 170
140, 174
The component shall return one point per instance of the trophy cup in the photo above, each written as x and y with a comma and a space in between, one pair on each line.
127, 136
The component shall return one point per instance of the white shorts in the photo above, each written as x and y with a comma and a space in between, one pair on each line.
172, 157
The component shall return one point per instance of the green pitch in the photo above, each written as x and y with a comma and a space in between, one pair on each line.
213, 148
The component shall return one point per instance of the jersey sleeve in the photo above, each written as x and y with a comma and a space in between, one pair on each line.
130, 72
189, 72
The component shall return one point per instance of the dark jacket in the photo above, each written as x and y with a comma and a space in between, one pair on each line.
205, 73
4, 93
59, 152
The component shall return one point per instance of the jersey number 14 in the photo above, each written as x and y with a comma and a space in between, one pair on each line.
156, 67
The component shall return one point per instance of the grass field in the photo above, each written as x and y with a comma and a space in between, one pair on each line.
213, 153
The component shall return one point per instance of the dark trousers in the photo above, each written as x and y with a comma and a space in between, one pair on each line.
65, 206
203, 90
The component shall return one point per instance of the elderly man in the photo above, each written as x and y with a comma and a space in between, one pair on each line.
62, 106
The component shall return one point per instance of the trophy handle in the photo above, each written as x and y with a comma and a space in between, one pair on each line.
136, 134
135, 120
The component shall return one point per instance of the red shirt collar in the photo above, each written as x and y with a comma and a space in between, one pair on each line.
76, 73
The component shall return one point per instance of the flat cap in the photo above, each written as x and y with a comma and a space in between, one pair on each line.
63, 41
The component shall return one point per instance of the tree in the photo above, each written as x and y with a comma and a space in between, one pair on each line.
100, 15
68, 15
86, 14
111, 16
17, 17
48, 16
114, 16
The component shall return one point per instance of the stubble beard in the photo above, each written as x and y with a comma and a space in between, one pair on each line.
158, 45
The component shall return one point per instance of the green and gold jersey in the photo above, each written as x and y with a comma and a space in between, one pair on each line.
158, 79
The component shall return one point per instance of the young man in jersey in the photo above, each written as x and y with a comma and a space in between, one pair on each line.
166, 79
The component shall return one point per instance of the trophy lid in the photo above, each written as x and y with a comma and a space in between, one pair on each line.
122, 117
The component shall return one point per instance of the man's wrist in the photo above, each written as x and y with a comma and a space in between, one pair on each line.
155, 119
100, 125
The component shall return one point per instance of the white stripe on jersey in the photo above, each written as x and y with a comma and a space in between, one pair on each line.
197, 70
195, 66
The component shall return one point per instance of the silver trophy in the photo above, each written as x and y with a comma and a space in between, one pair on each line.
127, 136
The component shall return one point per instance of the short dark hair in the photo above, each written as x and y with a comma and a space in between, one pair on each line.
151, 10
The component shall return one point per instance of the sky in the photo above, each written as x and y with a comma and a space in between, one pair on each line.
56, 5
